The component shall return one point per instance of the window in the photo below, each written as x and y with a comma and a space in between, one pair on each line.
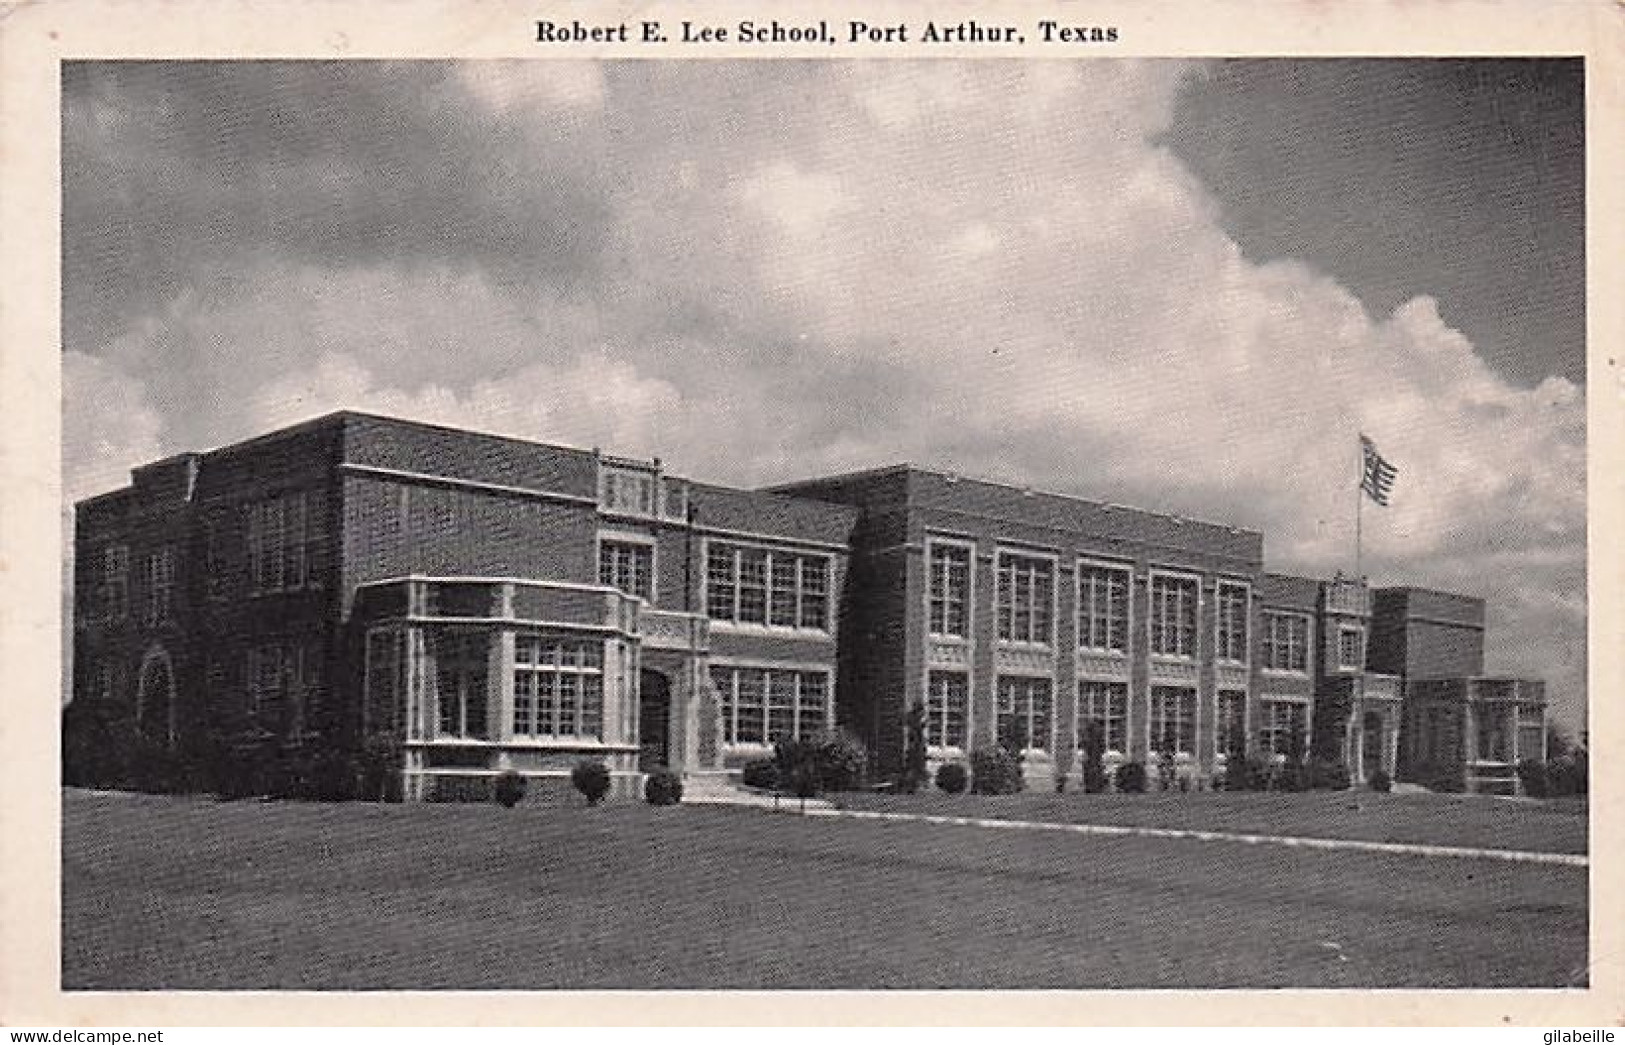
284, 534
764, 705
458, 663
1232, 637
115, 582
160, 584
947, 709
949, 568
1173, 719
1173, 616
281, 680
627, 565
1025, 712
1103, 608
1026, 598
558, 687
1107, 704
750, 585
1351, 648
384, 707
1231, 734
1282, 723
626, 490
1286, 642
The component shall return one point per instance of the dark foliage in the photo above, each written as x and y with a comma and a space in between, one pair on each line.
995, 771
1381, 781
509, 789
1570, 774
1093, 743
1328, 775
663, 788
762, 773
591, 777
952, 778
1131, 778
837, 759
1533, 776
914, 769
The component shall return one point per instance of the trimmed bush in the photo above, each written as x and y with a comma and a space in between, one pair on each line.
509, 789
995, 772
1167, 772
1093, 743
1326, 775
762, 773
663, 788
952, 778
1380, 781
1060, 782
840, 759
837, 759
1533, 778
914, 771
1569, 774
1131, 778
591, 777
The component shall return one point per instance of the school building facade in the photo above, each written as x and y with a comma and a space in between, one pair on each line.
453, 605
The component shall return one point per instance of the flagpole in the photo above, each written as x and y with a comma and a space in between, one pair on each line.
1359, 505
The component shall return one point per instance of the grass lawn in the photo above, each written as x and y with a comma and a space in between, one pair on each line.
184, 893
1457, 820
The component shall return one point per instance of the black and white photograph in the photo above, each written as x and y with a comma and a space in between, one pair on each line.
1026, 519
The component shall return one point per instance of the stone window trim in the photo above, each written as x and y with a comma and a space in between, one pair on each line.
558, 688
724, 587
1186, 633
1026, 702
1088, 633
1345, 662
611, 539
1108, 701
1226, 641
966, 600
948, 710
1172, 713
806, 719
1279, 642
1026, 567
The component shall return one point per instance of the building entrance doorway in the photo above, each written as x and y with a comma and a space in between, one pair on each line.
1371, 744
654, 720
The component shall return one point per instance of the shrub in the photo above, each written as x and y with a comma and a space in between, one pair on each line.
804, 780
1167, 771
995, 771
1093, 743
1060, 782
591, 777
952, 778
1380, 781
663, 788
836, 756
1328, 775
762, 773
1569, 774
840, 759
509, 789
1131, 778
914, 771
1532, 776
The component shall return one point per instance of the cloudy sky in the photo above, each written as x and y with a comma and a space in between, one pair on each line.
1181, 286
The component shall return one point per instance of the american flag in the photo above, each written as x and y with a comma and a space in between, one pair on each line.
1377, 477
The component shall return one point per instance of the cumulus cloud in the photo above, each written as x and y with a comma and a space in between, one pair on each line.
763, 271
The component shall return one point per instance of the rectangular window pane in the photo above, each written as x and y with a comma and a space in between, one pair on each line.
721, 581
946, 709
1025, 598
950, 589
783, 604
1173, 719
1107, 704
749, 712
781, 706
813, 715
752, 586
1232, 632
1173, 616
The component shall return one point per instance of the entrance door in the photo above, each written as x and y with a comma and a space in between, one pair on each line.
1371, 744
654, 720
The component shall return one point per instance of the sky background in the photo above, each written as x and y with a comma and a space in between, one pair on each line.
1180, 286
